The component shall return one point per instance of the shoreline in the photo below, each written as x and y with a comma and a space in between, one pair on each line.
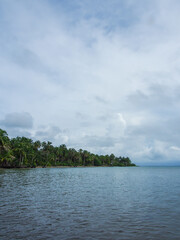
51, 167
61, 167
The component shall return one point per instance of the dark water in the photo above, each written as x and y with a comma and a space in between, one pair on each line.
90, 203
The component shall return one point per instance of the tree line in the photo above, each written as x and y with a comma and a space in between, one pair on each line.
24, 152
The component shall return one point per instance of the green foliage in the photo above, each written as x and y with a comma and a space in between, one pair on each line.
97, 162
23, 152
6, 156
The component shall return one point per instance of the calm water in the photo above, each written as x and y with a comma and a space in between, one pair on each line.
90, 203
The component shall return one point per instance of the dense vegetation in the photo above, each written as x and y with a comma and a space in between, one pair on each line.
24, 152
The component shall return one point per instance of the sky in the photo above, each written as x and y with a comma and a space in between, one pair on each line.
101, 75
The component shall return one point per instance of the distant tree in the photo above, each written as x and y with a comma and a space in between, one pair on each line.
6, 156
23, 152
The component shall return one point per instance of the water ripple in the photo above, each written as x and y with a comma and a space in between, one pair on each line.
90, 203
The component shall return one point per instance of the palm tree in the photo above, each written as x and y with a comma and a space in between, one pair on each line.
6, 156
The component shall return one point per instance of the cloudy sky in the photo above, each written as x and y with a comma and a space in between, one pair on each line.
102, 75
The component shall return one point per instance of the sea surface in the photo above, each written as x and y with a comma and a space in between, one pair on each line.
90, 203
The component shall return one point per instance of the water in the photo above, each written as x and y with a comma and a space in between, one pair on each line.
90, 203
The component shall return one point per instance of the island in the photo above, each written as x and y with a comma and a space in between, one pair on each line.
23, 152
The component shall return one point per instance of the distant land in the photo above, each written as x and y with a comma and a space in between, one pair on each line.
22, 152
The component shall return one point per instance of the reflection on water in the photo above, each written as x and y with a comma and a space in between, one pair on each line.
90, 203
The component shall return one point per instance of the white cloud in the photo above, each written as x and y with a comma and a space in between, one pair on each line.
175, 148
121, 119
